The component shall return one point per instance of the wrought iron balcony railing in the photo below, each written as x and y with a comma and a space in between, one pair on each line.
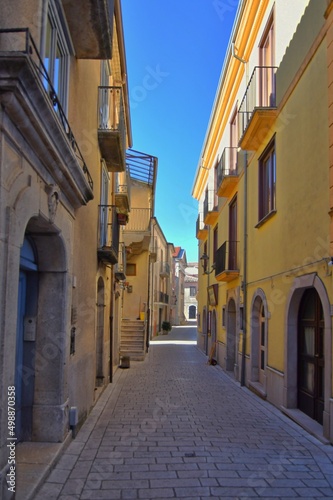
161, 297
123, 191
108, 234
260, 94
210, 206
112, 127
227, 167
17, 41
201, 228
165, 270
226, 261
139, 220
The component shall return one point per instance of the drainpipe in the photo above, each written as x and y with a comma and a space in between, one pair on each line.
244, 283
235, 55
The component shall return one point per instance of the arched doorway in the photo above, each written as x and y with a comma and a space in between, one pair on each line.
231, 336
310, 359
100, 333
25, 340
42, 341
192, 312
205, 330
259, 338
293, 325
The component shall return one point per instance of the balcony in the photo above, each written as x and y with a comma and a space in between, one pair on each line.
32, 104
165, 270
161, 298
91, 27
257, 112
123, 192
201, 228
137, 234
112, 128
226, 262
108, 235
119, 268
210, 207
227, 172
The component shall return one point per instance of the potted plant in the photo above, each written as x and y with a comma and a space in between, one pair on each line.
166, 327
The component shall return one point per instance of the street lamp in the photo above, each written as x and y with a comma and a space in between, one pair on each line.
204, 262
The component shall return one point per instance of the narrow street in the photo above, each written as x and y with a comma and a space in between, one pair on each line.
174, 427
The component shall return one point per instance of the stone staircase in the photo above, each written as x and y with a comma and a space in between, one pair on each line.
132, 342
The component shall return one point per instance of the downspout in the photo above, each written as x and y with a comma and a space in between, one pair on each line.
244, 282
235, 55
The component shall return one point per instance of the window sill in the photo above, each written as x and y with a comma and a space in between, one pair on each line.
264, 219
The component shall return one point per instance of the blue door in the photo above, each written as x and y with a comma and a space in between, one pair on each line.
25, 341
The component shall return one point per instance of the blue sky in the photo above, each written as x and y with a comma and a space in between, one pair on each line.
175, 51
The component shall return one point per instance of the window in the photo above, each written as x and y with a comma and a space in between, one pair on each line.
105, 181
232, 167
56, 53
267, 61
267, 182
193, 291
130, 269
215, 242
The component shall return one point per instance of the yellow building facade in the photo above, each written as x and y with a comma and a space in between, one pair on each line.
263, 187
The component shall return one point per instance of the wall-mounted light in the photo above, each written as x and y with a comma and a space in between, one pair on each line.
204, 262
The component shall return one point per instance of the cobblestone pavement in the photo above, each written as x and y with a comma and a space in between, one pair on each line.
174, 427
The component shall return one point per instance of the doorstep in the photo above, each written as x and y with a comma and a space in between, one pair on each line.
34, 462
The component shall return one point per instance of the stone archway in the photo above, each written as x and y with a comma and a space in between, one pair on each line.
100, 333
258, 359
231, 335
291, 343
48, 342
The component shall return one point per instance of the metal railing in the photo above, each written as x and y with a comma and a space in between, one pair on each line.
161, 297
111, 113
141, 166
226, 257
139, 220
227, 165
200, 225
108, 227
210, 203
260, 93
30, 50
165, 269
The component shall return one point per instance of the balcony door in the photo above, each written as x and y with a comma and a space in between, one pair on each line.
233, 143
311, 356
267, 62
232, 258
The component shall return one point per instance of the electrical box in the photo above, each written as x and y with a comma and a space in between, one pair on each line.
30, 327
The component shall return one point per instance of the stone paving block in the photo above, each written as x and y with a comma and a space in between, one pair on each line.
66, 462
192, 492
276, 492
308, 492
81, 469
156, 493
58, 476
100, 495
73, 487
49, 491
134, 483
154, 475
173, 483
233, 493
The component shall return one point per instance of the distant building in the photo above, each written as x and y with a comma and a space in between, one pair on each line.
180, 264
190, 291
